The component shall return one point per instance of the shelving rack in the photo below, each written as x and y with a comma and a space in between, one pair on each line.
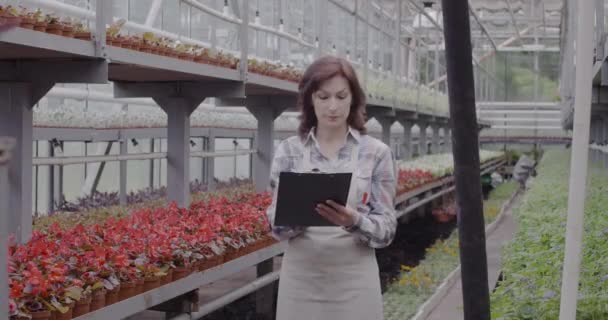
31, 63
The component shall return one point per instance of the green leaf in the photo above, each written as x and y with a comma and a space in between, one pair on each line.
74, 293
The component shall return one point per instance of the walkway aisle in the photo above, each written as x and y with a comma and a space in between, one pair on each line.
450, 306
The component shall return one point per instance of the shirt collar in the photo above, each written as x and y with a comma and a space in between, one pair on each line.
353, 133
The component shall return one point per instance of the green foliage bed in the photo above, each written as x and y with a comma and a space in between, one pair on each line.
533, 260
403, 298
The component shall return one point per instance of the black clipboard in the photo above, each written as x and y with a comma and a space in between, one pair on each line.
299, 194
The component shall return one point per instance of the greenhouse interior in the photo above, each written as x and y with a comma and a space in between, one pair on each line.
137, 140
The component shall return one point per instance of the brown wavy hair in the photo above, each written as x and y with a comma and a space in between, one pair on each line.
321, 70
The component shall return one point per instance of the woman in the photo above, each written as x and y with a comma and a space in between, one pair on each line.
332, 272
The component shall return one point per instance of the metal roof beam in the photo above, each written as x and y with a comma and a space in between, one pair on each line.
517, 33
483, 28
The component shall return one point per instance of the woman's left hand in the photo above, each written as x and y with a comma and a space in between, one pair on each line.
337, 213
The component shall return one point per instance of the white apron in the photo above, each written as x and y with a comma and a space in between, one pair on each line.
326, 274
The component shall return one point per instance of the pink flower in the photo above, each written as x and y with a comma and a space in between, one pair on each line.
12, 307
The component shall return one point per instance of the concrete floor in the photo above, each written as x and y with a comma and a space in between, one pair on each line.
450, 306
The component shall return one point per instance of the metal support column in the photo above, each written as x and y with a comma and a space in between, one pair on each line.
16, 120
386, 123
211, 185
264, 144
178, 100
178, 147
58, 180
244, 40
423, 148
25, 83
447, 139
51, 182
578, 165
407, 139
151, 173
435, 139
5, 147
412, 67
122, 188
600, 33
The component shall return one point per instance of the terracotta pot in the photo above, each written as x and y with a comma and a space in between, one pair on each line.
83, 35
83, 306
151, 283
40, 26
135, 46
127, 290
165, 51
27, 23
56, 315
112, 295
145, 48
168, 278
55, 29
218, 260
8, 19
68, 31
117, 42
40, 315
206, 264
180, 272
99, 300
139, 286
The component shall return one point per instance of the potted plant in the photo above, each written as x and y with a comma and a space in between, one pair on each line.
10, 15
151, 273
28, 19
82, 32
181, 257
68, 28
40, 23
30, 292
148, 41
127, 279
113, 30
65, 300
54, 26
182, 51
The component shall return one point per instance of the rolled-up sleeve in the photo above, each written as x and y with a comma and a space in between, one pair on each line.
282, 161
377, 228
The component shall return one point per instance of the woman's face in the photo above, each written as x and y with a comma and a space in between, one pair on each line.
332, 102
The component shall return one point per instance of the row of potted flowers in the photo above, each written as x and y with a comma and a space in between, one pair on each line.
148, 42
424, 170
441, 165
66, 272
410, 179
39, 21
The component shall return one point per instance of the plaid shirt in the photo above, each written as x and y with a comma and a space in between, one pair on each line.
376, 175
